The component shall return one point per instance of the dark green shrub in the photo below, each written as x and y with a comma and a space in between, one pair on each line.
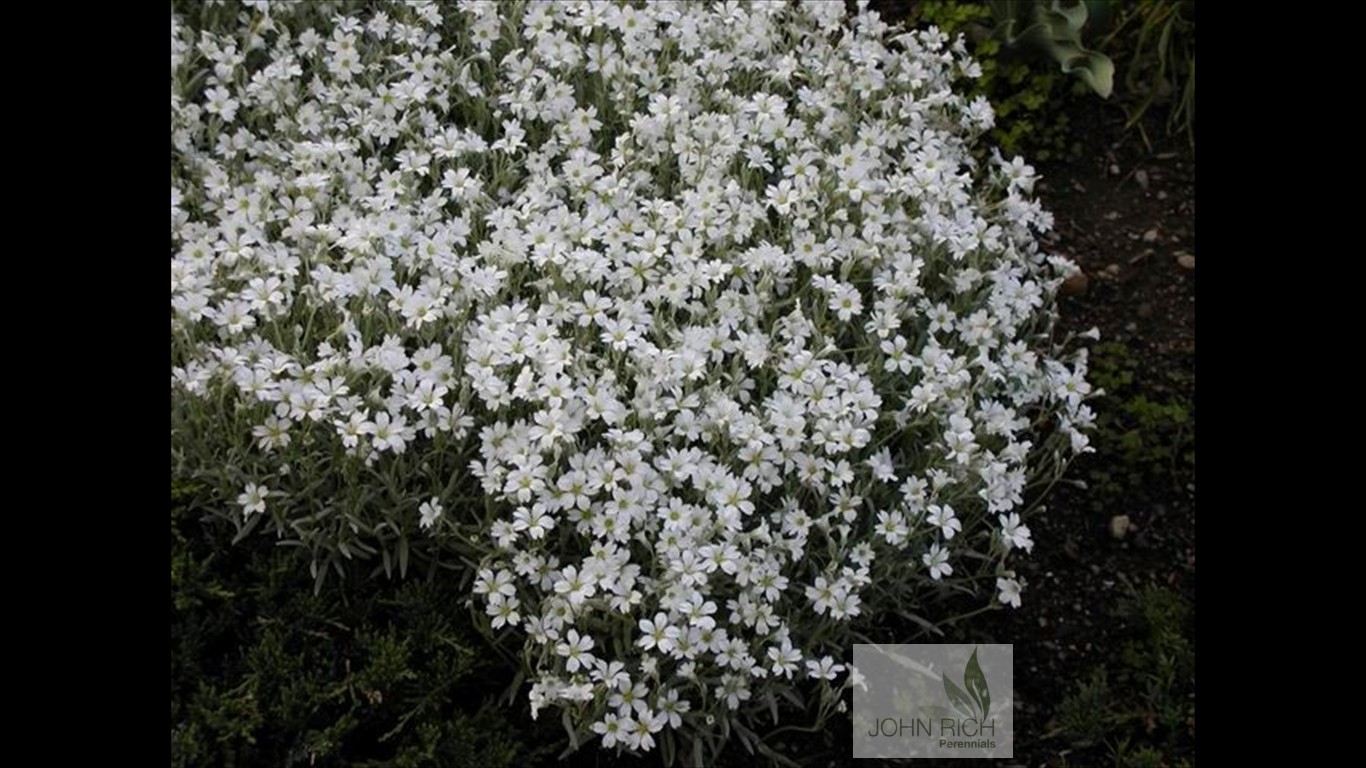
1038, 55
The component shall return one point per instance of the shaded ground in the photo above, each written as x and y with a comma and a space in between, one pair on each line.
1127, 216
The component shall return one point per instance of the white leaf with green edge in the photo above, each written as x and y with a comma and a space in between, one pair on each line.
1062, 40
1056, 28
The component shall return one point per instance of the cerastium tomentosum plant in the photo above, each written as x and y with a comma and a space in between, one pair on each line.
692, 328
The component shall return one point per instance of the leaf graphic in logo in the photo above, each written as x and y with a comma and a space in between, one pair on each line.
976, 683
960, 700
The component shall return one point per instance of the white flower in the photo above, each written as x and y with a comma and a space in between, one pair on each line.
891, 525
1013, 533
943, 517
430, 511
1009, 591
785, 658
533, 520
576, 586
272, 434
576, 649
253, 499
630, 698
610, 729
658, 634
733, 689
822, 594
220, 102
883, 467
671, 707
937, 560
847, 604
846, 302
390, 432
503, 610
823, 668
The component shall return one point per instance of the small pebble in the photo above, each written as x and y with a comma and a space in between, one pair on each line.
1120, 525
1076, 285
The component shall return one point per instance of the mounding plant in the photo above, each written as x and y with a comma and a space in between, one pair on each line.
690, 338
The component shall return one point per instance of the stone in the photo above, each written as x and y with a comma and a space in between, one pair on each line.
1076, 285
1120, 526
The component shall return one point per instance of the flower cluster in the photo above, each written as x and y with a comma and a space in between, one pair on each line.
736, 334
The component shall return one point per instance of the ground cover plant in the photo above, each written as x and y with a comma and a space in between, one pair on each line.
686, 338
265, 672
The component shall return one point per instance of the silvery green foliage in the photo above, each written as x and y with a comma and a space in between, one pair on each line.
696, 325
